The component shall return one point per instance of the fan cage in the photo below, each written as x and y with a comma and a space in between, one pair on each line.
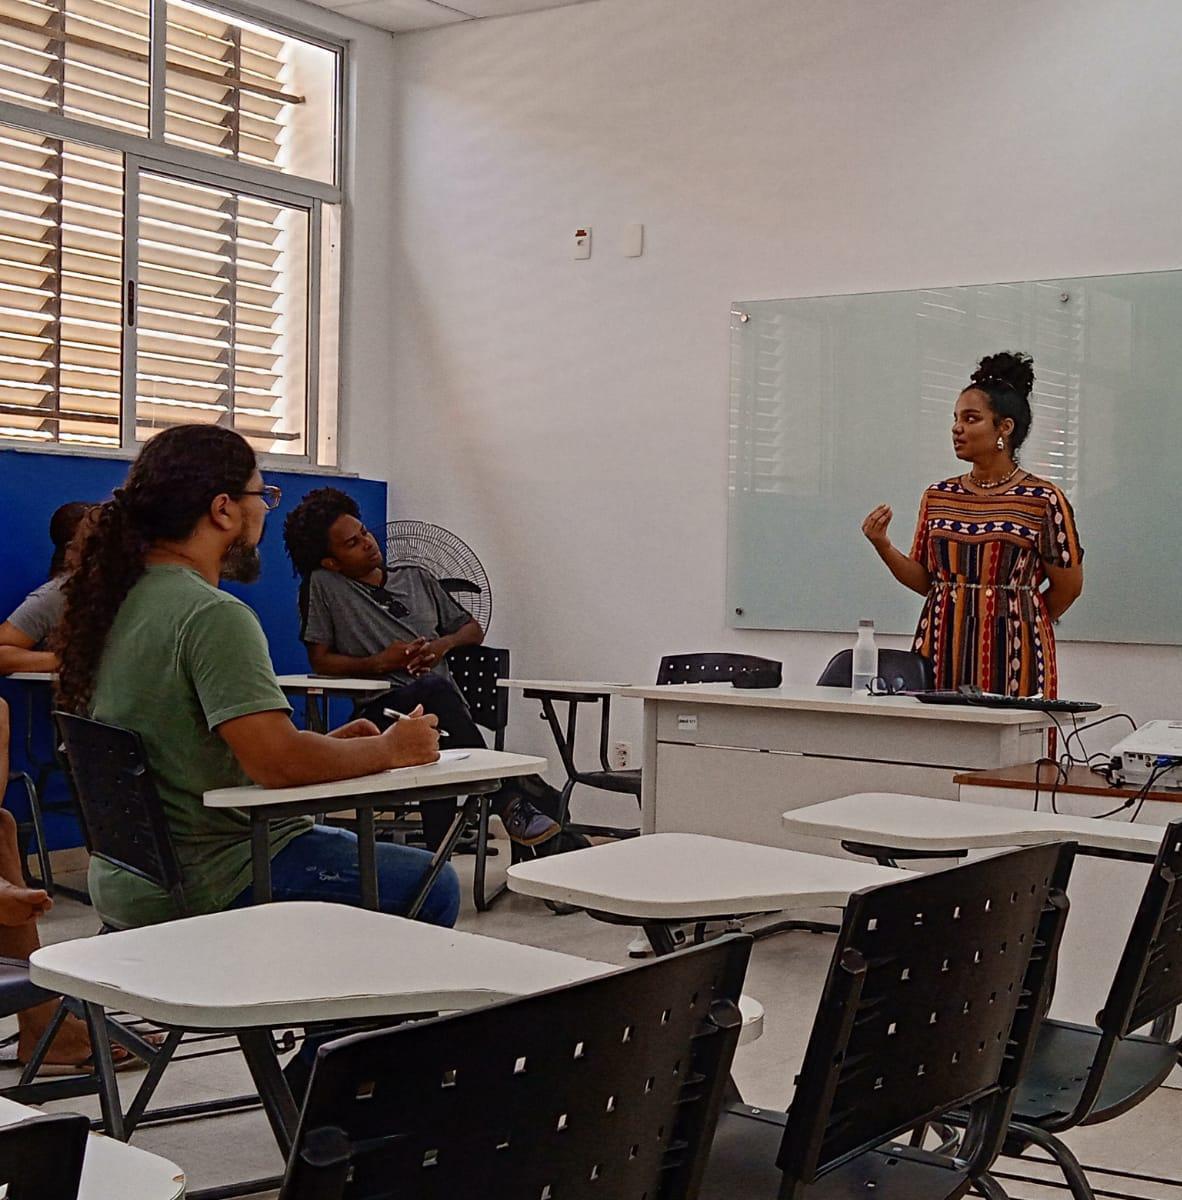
448, 558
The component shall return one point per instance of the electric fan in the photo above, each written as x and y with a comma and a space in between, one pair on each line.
453, 563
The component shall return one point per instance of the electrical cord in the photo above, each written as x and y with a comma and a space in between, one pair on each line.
1099, 763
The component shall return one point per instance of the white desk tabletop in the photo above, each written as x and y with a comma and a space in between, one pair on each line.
276, 964
925, 823
113, 1169
322, 683
564, 685
668, 876
478, 766
31, 676
833, 700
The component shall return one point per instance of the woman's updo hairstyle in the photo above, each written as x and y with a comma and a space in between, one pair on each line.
1007, 379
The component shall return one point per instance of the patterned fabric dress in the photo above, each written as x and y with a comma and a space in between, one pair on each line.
985, 621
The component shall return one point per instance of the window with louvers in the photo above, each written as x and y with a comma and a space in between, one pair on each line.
238, 91
85, 59
61, 244
226, 295
221, 313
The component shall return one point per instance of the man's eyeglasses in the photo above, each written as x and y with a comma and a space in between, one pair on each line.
271, 494
887, 687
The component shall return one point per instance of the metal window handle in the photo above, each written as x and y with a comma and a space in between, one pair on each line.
130, 306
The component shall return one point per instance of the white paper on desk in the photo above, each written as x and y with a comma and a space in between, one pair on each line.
453, 755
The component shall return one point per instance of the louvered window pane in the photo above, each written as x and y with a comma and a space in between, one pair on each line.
86, 59
222, 313
237, 90
60, 290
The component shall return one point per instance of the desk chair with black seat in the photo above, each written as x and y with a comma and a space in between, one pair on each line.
123, 822
932, 1004
901, 670
607, 1088
476, 670
741, 670
41, 1158
1088, 1074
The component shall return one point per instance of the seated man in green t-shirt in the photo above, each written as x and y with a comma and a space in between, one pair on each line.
149, 642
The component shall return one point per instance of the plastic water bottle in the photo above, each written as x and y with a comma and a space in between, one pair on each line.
865, 657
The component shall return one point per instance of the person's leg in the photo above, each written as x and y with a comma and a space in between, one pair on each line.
440, 697
19, 908
322, 865
5, 737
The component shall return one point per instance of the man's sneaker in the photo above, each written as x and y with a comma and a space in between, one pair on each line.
525, 825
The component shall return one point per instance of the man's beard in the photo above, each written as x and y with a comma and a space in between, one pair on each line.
241, 563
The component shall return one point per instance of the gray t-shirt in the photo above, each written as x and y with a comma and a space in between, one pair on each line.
358, 619
40, 611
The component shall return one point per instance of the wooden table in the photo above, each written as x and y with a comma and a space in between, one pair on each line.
468, 773
725, 760
113, 1170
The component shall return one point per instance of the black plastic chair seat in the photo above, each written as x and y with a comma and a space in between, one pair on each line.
1059, 1070
16, 991
743, 1164
627, 782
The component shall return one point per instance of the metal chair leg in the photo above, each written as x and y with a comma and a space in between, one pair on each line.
29, 1073
104, 1070
480, 896
161, 1057
987, 1186
1073, 1171
38, 821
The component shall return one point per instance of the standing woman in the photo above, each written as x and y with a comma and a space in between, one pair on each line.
996, 554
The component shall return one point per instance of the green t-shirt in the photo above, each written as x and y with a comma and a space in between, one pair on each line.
182, 657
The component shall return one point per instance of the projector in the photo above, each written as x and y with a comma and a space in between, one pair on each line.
1153, 751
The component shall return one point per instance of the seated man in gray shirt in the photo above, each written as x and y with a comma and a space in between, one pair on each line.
359, 619
24, 637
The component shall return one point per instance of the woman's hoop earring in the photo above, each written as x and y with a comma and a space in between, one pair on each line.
1001, 442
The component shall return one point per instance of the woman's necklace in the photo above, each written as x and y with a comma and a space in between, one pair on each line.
992, 483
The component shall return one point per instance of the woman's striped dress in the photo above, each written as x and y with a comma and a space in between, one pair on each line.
985, 621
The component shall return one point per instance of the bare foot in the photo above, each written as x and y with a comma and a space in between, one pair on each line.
19, 905
71, 1047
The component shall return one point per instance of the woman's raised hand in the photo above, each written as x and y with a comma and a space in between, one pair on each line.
876, 524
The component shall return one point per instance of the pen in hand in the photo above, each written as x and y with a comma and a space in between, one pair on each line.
395, 715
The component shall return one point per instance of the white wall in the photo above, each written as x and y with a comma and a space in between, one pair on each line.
569, 418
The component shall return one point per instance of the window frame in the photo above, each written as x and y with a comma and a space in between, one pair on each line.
155, 154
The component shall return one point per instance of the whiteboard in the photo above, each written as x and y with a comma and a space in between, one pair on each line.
839, 403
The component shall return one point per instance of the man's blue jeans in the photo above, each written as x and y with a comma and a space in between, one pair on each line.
322, 865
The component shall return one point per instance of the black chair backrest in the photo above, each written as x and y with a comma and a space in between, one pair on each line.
1148, 980
743, 670
41, 1158
122, 816
607, 1088
913, 669
933, 998
476, 670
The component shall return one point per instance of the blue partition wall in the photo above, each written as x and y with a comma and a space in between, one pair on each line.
33, 485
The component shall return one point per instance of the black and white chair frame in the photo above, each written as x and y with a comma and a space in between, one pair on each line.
933, 1000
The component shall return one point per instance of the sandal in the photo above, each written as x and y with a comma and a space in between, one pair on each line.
123, 1058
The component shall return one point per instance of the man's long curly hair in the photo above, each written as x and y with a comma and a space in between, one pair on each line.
169, 488
305, 534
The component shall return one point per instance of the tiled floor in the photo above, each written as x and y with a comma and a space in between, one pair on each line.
786, 975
